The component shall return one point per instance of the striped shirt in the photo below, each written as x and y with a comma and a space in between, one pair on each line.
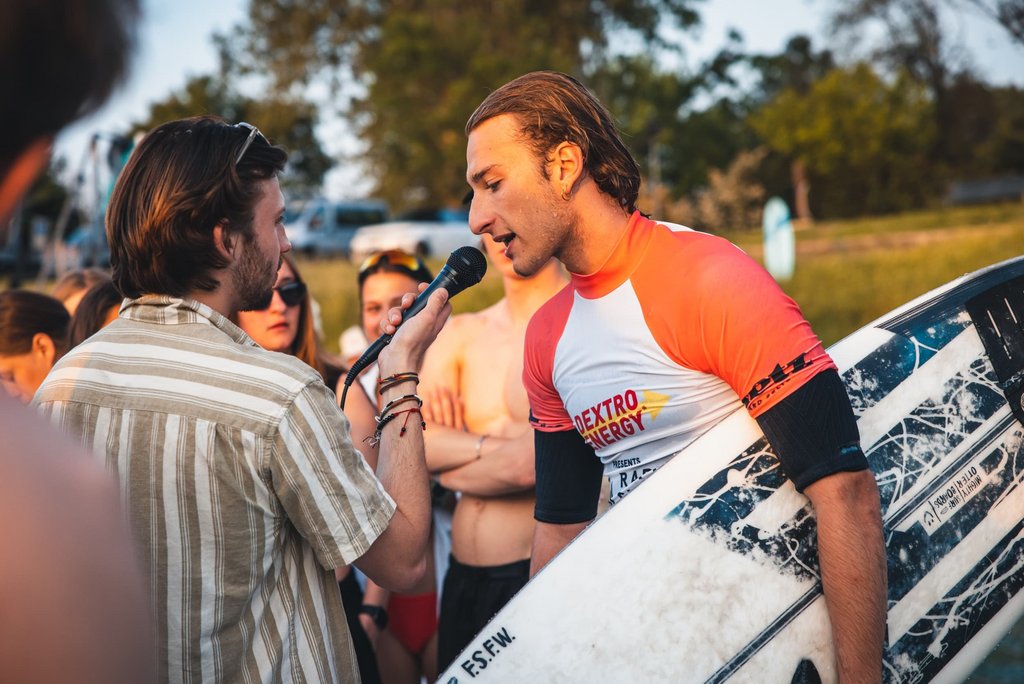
241, 484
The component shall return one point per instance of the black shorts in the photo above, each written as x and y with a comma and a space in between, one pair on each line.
470, 598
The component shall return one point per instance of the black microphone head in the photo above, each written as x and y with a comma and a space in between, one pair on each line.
470, 265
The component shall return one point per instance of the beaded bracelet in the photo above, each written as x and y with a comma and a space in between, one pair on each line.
374, 440
404, 399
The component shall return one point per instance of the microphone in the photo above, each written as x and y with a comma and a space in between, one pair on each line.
465, 267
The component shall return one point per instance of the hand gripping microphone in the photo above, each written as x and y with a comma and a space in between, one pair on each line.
466, 266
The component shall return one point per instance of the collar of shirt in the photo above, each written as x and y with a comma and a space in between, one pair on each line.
167, 310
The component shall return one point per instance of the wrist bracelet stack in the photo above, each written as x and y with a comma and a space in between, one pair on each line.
388, 414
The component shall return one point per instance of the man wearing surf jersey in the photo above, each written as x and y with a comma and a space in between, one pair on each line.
661, 333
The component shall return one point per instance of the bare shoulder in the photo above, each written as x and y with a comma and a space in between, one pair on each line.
468, 326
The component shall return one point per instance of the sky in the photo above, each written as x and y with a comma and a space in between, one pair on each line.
175, 44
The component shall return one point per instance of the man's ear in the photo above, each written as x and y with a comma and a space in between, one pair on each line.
567, 167
19, 176
224, 242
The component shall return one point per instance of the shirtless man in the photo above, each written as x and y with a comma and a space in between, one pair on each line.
481, 443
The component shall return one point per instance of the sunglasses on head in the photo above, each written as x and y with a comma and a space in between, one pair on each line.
291, 293
395, 257
253, 132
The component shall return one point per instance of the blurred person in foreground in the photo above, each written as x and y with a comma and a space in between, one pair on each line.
72, 596
33, 337
236, 463
480, 444
286, 326
686, 312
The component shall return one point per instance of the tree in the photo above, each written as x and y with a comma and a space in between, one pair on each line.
1007, 13
864, 141
287, 121
796, 69
408, 73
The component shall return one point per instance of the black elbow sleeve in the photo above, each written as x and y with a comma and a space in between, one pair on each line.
814, 432
568, 478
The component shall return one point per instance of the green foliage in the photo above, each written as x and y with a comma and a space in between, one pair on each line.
287, 121
865, 142
414, 70
848, 272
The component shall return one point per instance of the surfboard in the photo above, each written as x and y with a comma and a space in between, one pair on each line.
708, 571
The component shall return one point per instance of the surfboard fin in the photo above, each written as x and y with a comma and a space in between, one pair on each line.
998, 315
806, 673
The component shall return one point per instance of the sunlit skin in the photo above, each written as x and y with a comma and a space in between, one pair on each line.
21, 374
380, 292
512, 200
275, 327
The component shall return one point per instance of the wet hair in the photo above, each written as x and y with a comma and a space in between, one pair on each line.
551, 108
24, 314
180, 183
59, 60
91, 314
78, 280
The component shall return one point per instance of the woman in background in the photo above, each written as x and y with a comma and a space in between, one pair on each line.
97, 309
33, 337
72, 286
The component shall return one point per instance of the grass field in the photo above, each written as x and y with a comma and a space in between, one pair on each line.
848, 273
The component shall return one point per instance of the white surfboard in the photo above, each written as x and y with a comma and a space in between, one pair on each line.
708, 571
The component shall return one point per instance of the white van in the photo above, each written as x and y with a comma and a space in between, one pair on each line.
319, 226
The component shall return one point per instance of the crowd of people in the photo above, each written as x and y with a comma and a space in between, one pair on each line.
186, 498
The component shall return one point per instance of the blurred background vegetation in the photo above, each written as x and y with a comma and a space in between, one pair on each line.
855, 127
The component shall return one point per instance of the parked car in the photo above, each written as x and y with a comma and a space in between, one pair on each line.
319, 226
428, 233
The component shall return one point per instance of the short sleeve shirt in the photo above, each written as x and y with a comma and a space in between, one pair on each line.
241, 484
674, 332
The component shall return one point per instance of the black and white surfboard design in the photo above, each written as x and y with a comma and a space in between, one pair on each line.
710, 574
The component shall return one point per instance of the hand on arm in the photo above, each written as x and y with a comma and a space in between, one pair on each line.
505, 466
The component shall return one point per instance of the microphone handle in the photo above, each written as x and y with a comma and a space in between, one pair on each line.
446, 278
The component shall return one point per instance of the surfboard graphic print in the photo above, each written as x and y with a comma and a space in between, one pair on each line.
710, 573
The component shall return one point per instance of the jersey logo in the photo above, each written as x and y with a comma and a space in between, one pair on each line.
766, 387
618, 417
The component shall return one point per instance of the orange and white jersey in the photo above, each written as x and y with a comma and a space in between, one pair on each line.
663, 341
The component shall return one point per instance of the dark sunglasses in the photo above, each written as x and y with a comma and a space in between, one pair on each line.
253, 132
291, 293
395, 257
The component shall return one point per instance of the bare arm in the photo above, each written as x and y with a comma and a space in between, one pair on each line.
549, 539
397, 559
852, 555
505, 466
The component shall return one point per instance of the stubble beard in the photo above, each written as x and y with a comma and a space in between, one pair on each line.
254, 281
558, 230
